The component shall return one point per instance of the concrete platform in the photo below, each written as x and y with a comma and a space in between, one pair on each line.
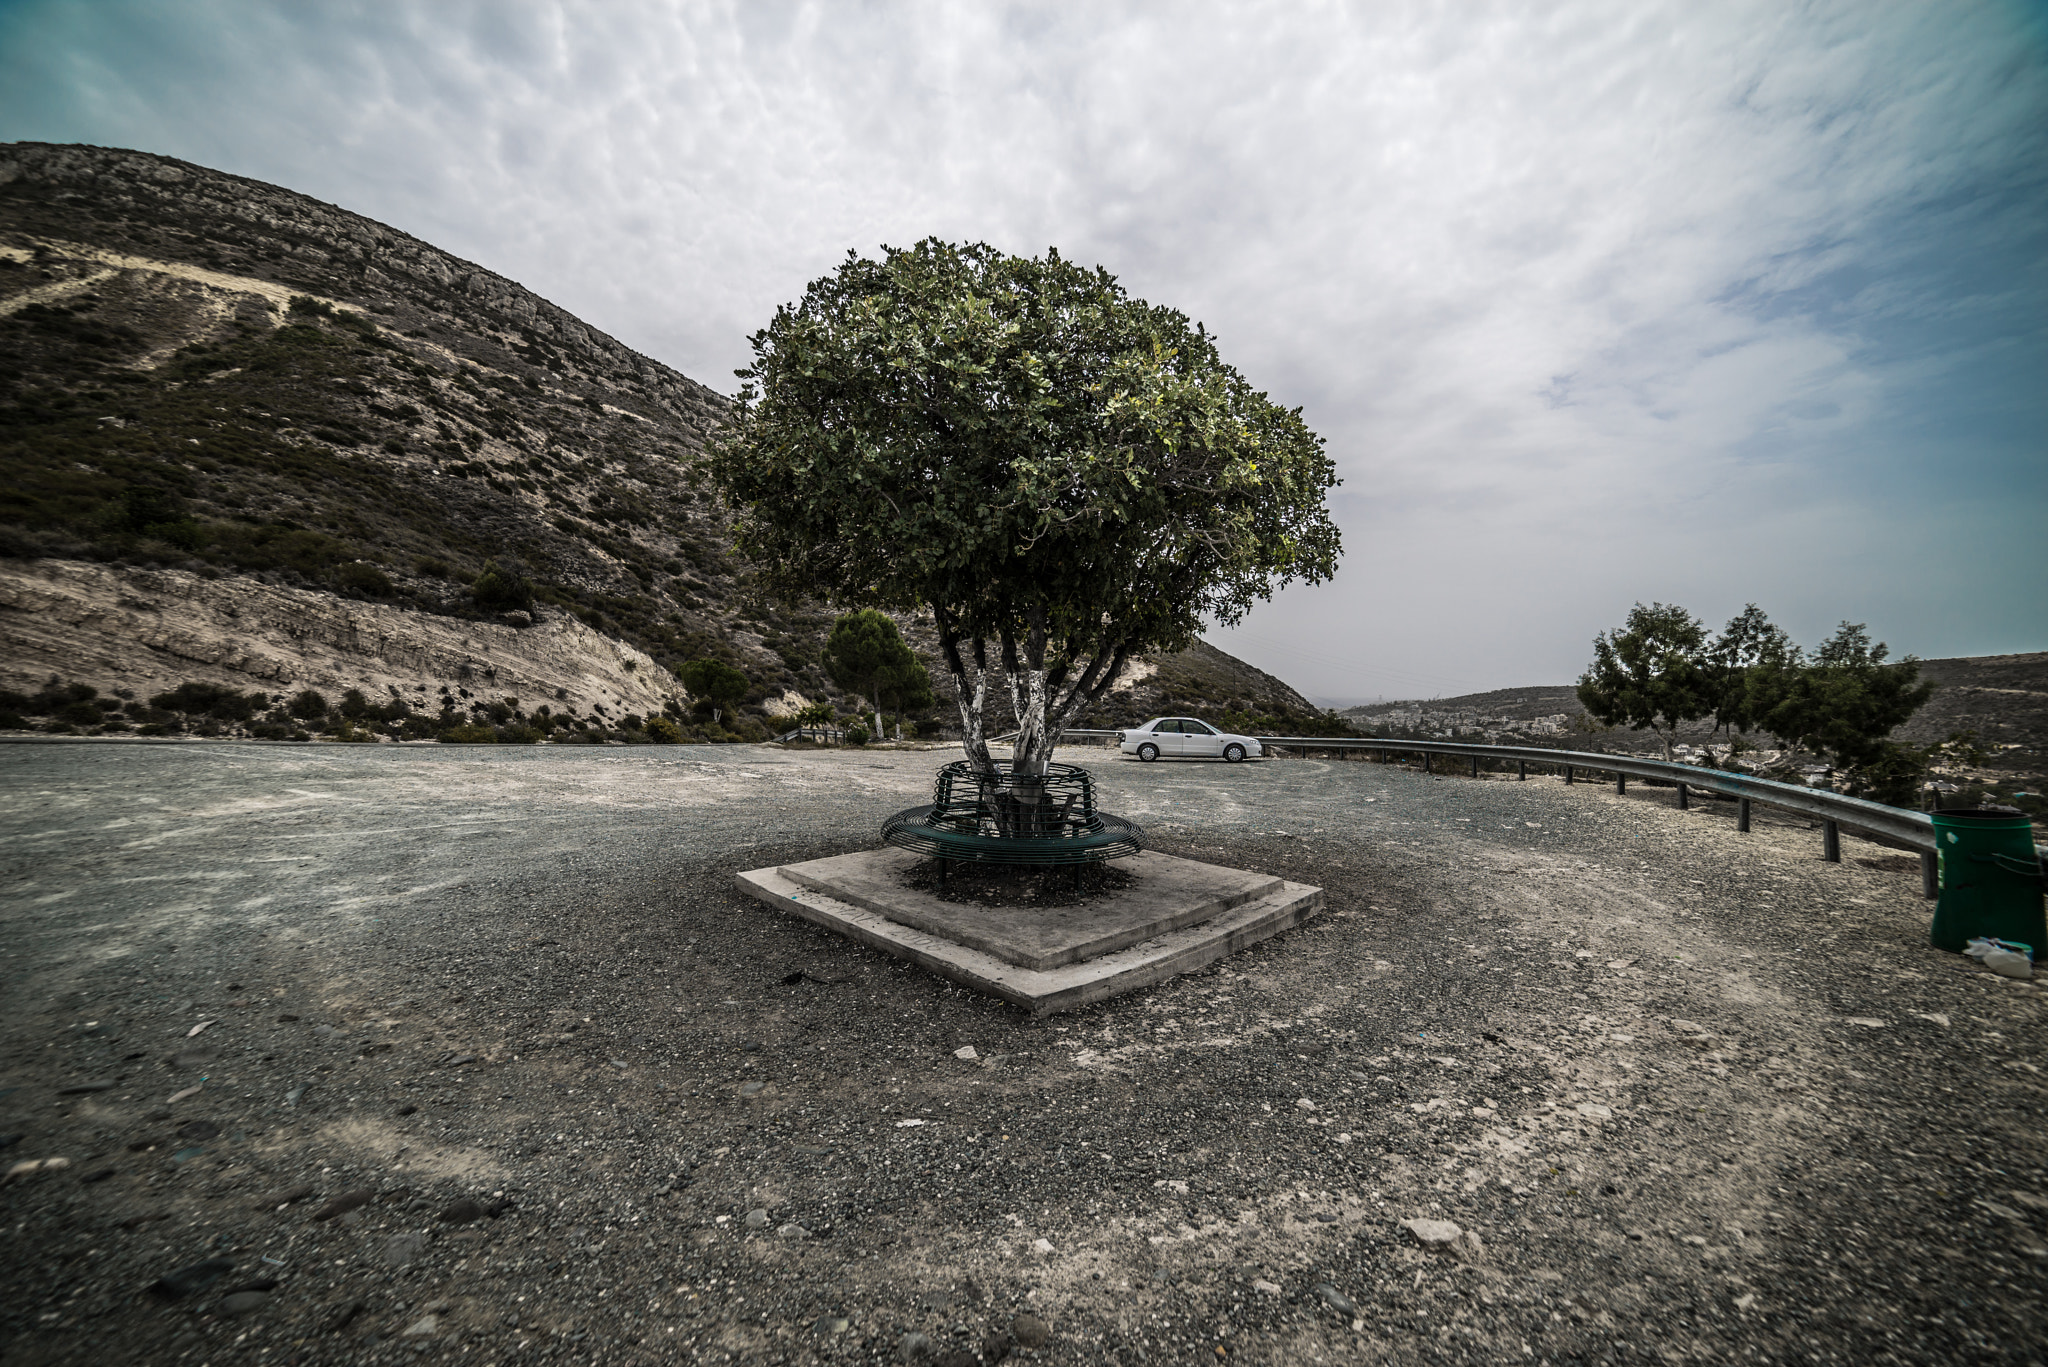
1178, 915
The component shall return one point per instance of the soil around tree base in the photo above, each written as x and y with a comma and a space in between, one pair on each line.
1016, 885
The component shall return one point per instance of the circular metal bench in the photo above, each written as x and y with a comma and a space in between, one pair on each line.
1001, 818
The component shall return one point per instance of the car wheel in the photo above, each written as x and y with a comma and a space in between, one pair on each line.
1234, 753
1148, 753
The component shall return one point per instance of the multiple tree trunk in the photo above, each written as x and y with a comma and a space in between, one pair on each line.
1044, 696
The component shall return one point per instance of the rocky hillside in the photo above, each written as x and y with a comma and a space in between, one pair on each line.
256, 440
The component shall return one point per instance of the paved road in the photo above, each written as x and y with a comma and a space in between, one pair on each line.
1688, 1095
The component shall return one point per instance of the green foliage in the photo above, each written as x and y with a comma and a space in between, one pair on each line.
211, 700
865, 654
1049, 464
1739, 672
816, 714
1647, 673
500, 590
857, 734
1845, 705
662, 731
713, 683
355, 706
360, 577
1659, 670
469, 733
308, 706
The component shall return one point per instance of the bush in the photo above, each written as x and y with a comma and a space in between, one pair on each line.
500, 590
520, 735
210, 700
78, 714
662, 731
11, 721
309, 706
856, 735
55, 696
359, 577
469, 733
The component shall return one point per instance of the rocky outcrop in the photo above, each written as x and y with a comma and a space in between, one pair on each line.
151, 629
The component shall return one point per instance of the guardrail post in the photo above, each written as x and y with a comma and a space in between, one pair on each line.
1684, 799
1425, 762
1742, 815
1475, 766
1930, 882
1831, 842
1570, 775
1521, 770
1620, 781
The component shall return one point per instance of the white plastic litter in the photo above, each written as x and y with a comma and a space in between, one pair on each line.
2006, 958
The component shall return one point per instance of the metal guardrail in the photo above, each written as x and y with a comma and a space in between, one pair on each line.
1835, 811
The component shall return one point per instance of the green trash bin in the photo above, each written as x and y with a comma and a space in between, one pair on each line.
1990, 879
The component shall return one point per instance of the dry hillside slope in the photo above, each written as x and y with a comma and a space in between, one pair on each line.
239, 424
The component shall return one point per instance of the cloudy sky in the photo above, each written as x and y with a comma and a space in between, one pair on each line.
1594, 302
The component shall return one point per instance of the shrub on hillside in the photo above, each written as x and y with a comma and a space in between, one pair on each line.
361, 577
662, 731
215, 701
309, 706
500, 590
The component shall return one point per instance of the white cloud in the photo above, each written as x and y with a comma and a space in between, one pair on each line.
1594, 301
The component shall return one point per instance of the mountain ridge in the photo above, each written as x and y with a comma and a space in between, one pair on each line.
211, 379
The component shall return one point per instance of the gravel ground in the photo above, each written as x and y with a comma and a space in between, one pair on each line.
475, 1055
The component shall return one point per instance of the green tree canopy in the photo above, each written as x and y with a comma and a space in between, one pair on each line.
1064, 475
1739, 671
1648, 672
1659, 670
1845, 705
501, 590
865, 654
713, 682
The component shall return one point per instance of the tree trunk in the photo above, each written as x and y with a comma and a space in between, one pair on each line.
970, 689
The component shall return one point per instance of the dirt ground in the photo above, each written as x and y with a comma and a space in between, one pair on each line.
410, 1054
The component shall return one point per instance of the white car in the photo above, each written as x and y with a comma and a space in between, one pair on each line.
1186, 738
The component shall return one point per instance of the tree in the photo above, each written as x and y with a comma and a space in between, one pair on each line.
714, 684
865, 654
1066, 476
501, 590
909, 690
1649, 672
1741, 671
1845, 705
